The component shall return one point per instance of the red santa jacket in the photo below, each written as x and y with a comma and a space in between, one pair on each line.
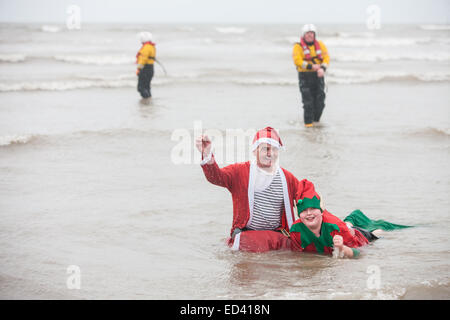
239, 179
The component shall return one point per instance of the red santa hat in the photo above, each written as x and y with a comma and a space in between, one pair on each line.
267, 135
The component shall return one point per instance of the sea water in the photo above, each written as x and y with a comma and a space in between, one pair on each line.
102, 196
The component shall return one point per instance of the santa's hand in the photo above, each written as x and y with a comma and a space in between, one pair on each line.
338, 242
320, 72
315, 67
203, 144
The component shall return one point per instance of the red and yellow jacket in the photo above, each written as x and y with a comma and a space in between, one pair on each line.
146, 54
304, 60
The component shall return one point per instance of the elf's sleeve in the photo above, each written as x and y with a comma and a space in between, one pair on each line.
220, 177
350, 238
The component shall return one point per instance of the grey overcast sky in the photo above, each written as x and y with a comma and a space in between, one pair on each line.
226, 11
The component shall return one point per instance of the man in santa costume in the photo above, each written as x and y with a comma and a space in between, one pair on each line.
263, 193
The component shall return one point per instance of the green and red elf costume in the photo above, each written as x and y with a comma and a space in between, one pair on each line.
304, 240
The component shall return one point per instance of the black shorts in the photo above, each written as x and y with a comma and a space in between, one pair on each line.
366, 233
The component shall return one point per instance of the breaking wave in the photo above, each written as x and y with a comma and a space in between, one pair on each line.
231, 30
50, 28
335, 76
431, 132
96, 59
8, 140
435, 27
378, 56
349, 77
369, 42
86, 83
64, 85
12, 57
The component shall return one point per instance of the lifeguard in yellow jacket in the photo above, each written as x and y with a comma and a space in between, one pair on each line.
145, 59
311, 60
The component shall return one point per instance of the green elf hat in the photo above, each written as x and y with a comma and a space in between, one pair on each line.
306, 203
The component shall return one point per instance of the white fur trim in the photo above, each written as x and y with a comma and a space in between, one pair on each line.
270, 141
251, 190
207, 159
287, 202
251, 194
236, 242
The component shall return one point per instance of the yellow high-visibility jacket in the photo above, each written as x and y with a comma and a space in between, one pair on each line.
306, 66
146, 54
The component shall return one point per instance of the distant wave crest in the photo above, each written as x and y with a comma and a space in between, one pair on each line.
50, 28
14, 139
86, 83
374, 57
334, 76
96, 59
374, 42
234, 30
14, 57
435, 27
432, 132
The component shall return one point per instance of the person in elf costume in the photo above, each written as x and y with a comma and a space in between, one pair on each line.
145, 59
263, 193
319, 231
311, 60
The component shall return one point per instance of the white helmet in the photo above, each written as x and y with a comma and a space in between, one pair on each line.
309, 27
145, 36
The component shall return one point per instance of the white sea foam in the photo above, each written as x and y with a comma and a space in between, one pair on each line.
234, 30
14, 57
65, 85
186, 28
343, 76
369, 42
50, 28
265, 81
96, 59
120, 82
364, 56
374, 42
7, 140
356, 34
437, 27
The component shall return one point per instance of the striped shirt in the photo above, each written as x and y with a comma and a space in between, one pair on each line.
268, 206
